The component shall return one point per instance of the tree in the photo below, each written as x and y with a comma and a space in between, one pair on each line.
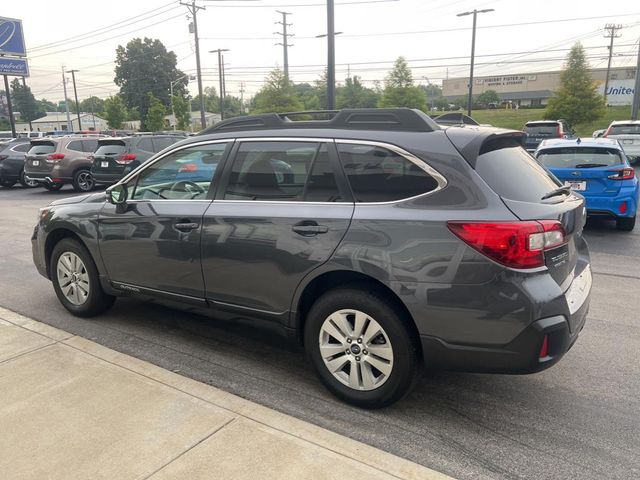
115, 112
487, 97
155, 114
276, 95
399, 89
145, 66
25, 102
354, 95
46, 106
211, 101
308, 96
62, 108
577, 100
92, 104
181, 109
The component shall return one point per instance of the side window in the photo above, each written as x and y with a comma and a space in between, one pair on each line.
183, 175
89, 145
282, 171
75, 145
22, 147
161, 143
146, 145
377, 174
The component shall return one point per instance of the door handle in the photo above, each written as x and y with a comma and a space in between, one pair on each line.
186, 227
309, 228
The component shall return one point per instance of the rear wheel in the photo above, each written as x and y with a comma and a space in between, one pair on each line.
52, 187
75, 280
361, 347
83, 181
26, 183
626, 224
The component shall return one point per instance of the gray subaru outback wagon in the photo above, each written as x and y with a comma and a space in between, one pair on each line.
375, 238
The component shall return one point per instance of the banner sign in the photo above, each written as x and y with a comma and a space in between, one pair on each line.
620, 92
12, 37
14, 67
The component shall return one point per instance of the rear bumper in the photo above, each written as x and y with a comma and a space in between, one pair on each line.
520, 356
610, 205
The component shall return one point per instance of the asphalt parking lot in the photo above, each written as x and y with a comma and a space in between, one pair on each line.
579, 419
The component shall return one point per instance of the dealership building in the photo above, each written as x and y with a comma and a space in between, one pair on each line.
534, 89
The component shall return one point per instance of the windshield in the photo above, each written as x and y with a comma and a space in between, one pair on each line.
580, 157
542, 129
628, 129
112, 147
42, 148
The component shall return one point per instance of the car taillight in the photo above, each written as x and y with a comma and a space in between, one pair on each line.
513, 244
559, 132
626, 173
125, 159
544, 349
55, 157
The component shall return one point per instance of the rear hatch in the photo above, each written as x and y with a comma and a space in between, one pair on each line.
537, 132
585, 169
628, 135
111, 157
532, 193
40, 157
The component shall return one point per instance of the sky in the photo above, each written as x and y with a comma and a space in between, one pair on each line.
517, 37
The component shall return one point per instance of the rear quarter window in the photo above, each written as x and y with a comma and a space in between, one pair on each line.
75, 145
515, 175
22, 147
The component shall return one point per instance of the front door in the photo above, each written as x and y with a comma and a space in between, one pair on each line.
278, 215
154, 246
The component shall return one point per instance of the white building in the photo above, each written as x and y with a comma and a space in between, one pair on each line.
54, 121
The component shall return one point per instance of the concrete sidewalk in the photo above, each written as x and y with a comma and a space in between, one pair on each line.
73, 409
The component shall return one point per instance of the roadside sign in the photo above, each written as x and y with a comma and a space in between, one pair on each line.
14, 67
12, 37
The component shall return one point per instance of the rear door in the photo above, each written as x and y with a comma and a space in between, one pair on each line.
154, 246
278, 215
584, 169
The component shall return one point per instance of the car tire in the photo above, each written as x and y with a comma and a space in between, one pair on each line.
75, 280
394, 350
27, 183
7, 183
83, 181
52, 187
626, 224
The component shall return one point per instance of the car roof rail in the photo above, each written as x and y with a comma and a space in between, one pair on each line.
399, 119
455, 118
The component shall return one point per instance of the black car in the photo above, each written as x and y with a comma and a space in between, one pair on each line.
116, 157
375, 238
540, 130
12, 156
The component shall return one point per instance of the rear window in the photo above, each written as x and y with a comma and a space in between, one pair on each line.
580, 157
111, 147
542, 129
42, 148
629, 129
514, 174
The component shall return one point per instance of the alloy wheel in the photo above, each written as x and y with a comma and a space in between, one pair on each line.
85, 181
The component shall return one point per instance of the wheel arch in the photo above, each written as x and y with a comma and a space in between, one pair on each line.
326, 281
54, 237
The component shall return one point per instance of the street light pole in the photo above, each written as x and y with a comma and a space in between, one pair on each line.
473, 52
171, 84
75, 94
66, 101
220, 80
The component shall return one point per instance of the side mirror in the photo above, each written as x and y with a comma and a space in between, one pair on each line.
117, 194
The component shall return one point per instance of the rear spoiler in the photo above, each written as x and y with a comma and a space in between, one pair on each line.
473, 142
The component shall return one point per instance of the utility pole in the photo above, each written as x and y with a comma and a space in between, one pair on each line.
66, 101
12, 120
285, 42
24, 84
473, 52
611, 29
75, 93
220, 78
636, 91
331, 56
241, 97
193, 9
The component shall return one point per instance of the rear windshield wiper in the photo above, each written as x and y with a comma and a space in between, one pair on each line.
564, 190
590, 165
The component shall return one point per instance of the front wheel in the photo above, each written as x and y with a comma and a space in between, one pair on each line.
361, 347
27, 183
83, 181
75, 280
626, 224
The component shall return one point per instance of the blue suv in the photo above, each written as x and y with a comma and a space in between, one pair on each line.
598, 169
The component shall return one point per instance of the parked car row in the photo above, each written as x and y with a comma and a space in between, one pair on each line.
82, 160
